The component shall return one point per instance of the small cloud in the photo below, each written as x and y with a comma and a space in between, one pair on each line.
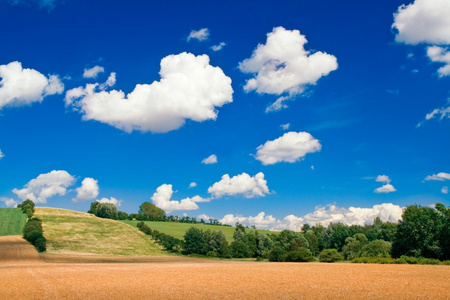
1, 154
383, 178
444, 190
205, 217
163, 195
93, 72
415, 71
285, 126
440, 55
112, 200
212, 159
410, 55
394, 92
387, 188
88, 191
192, 185
440, 176
199, 35
218, 47
9, 201
242, 184
312, 168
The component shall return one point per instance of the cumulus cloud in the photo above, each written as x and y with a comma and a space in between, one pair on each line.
21, 86
442, 55
110, 200
290, 147
45, 186
192, 185
200, 35
89, 190
189, 89
242, 184
204, 217
93, 72
439, 176
383, 178
218, 47
212, 159
282, 65
323, 215
424, 21
444, 190
163, 195
9, 201
387, 188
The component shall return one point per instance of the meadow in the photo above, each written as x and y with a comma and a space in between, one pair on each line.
71, 232
12, 221
178, 230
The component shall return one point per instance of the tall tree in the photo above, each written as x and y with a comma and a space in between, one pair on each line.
149, 211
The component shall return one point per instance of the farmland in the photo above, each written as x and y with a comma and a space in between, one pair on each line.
189, 278
71, 232
12, 221
178, 229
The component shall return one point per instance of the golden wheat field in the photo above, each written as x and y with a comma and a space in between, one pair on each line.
24, 274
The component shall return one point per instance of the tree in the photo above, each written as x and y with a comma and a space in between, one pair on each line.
354, 246
444, 234
193, 241
219, 244
335, 235
94, 208
290, 240
377, 248
301, 255
418, 233
239, 247
149, 211
107, 211
121, 215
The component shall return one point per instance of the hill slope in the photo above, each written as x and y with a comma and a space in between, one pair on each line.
71, 232
12, 221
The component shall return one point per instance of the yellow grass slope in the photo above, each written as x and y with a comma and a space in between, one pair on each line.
70, 232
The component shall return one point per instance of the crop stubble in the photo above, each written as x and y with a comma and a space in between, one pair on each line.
188, 278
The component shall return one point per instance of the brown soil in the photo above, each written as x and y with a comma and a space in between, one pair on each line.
189, 278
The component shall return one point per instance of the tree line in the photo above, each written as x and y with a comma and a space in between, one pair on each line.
32, 230
423, 232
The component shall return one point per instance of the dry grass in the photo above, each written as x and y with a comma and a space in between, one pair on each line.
70, 232
189, 278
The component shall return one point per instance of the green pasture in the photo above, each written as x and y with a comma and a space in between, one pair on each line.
12, 221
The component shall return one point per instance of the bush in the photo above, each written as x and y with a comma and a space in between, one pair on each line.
41, 244
276, 254
211, 254
300, 255
33, 233
330, 255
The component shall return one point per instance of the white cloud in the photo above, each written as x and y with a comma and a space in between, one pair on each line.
424, 21
192, 185
110, 82
1, 154
24, 86
162, 199
243, 184
93, 72
323, 215
278, 104
290, 147
190, 88
50, 4
442, 55
383, 178
443, 112
89, 190
387, 188
440, 176
111, 200
9, 201
212, 159
444, 190
285, 126
204, 217
282, 65
200, 35
218, 47
45, 186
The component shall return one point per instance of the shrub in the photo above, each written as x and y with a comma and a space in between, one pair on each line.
300, 255
330, 255
41, 244
276, 254
211, 254
140, 224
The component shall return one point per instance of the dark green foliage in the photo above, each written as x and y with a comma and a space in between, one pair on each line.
301, 255
148, 211
377, 248
444, 234
107, 211
330, 255
140, 224
335, 235
240, 246
276, 254
193, 241
354, 246
94, 208
41, 244
264, 244
25, 205
418, 233
121, 215
290, 240
33, 233
218, 244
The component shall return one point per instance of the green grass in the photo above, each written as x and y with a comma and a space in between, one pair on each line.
178, 229
12, 221
71, 232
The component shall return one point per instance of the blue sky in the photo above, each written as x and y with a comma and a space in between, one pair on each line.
122, 101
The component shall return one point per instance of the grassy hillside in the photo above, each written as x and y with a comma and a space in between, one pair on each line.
71, 232
178, 229
12, 221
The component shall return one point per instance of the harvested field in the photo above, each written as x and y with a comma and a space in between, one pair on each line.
189, 278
